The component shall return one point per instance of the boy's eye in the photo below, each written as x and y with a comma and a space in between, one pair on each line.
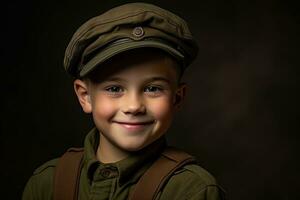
114, 89
152, 89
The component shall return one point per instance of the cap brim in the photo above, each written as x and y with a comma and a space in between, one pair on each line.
108, 53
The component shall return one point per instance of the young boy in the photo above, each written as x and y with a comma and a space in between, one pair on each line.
127, 64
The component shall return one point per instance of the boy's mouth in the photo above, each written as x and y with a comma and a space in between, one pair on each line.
134, 126
134, 123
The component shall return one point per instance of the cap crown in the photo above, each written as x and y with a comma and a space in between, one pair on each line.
133, 21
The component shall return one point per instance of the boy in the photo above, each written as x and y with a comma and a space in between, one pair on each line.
127, 65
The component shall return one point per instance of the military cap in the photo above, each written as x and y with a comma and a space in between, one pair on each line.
126, 27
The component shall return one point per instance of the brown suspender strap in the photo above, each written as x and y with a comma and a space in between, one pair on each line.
67, 175
159, 173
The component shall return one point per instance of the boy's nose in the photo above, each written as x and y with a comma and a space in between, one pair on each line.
133, 105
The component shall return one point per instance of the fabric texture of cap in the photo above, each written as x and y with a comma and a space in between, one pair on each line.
126, 27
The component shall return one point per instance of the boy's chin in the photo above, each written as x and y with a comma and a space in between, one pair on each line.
132, 146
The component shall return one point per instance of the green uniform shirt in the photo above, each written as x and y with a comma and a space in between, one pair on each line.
100, 181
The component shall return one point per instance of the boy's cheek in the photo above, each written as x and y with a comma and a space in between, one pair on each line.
103, 108
162, 109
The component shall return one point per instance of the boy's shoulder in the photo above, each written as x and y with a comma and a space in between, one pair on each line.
192, 182
200, 174
40, 184
193, 174
47, 167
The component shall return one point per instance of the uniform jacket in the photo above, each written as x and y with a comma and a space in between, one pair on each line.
114, 181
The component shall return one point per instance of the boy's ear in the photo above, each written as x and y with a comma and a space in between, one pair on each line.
83, 95
180, 95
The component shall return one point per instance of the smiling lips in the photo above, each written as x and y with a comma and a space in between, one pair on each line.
134, 126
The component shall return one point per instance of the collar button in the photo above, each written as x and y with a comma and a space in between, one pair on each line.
105, 173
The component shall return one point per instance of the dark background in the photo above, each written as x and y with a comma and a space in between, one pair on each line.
240, 117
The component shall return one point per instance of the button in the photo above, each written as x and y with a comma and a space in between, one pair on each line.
138, 32
105, 173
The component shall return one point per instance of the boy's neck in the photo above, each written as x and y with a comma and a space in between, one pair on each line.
108, 153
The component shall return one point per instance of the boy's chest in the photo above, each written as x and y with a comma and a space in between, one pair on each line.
104, 184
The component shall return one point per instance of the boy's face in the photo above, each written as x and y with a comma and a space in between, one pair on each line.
133, 101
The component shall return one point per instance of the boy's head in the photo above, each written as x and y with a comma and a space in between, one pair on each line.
127, 63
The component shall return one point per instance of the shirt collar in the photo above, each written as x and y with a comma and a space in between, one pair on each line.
129, 169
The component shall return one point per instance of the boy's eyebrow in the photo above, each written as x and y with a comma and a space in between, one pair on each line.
159, 78
114, 79
156, 78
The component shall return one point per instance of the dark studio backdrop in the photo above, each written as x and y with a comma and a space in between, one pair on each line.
240, 117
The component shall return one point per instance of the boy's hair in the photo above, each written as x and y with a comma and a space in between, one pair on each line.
127, 27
